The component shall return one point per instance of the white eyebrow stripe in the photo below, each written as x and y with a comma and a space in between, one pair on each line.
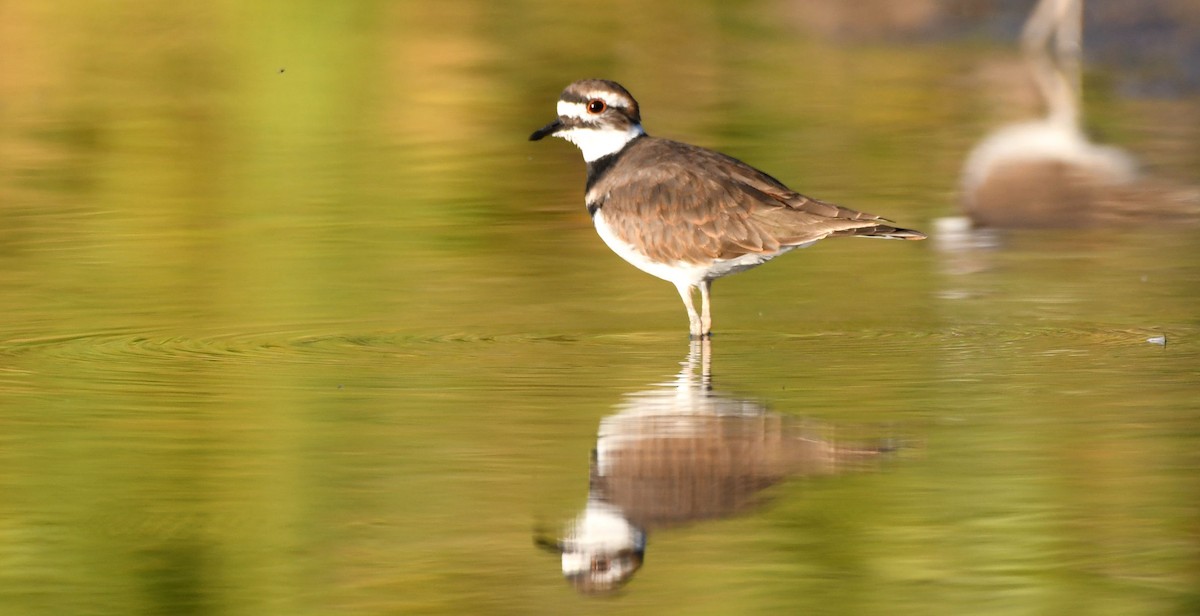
579, 110
603, 95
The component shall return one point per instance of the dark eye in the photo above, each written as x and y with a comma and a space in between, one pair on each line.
596, 106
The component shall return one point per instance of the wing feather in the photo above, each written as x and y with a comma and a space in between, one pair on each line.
684, 203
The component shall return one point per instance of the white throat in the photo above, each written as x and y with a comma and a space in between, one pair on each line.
598, 143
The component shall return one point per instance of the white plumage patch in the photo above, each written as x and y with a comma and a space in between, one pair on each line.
596, 143
679, 272
571, 110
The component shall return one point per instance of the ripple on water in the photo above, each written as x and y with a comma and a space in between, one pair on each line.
130, 350
128, 345
169, 363
309, 346
149, 350
966, 335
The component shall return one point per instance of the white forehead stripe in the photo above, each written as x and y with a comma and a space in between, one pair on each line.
571, 110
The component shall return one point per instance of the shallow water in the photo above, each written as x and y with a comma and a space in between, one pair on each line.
296, 321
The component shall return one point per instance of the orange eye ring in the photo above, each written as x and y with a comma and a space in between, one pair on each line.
596, 106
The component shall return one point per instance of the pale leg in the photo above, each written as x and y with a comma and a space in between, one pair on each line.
685, 292
705, 308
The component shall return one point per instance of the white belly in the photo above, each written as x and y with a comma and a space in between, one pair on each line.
679, 272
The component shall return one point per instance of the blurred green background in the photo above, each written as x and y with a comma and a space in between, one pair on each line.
296, 321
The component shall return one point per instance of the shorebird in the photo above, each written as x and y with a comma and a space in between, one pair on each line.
683, 213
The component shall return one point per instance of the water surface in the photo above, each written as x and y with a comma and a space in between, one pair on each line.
296, 321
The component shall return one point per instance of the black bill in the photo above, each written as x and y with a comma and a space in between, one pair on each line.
546, 130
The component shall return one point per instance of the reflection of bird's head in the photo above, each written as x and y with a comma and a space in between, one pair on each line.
602, 550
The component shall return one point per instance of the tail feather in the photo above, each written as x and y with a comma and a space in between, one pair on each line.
885, 232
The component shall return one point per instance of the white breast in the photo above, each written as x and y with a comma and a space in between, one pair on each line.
678, 272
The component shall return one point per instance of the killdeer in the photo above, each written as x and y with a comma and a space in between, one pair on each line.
683, 213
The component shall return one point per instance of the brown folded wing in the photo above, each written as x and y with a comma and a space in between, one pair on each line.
683, 203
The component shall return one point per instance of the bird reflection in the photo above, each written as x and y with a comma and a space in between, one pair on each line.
680, 453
